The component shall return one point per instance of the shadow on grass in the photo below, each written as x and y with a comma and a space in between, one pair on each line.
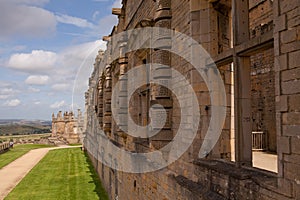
102, 194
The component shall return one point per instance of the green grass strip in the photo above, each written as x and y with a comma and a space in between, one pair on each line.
18, 151
61, 174
75, 144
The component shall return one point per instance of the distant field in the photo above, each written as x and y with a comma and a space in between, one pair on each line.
21, 129
18, 151
61, 174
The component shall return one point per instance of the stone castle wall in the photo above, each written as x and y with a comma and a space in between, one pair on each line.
258, 63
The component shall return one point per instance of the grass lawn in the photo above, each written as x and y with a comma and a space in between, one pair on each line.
75, 145
18, 151
61, 174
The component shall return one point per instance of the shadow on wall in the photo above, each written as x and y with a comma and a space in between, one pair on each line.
102, 194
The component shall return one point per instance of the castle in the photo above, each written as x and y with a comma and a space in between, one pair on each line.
254, 50
67, 127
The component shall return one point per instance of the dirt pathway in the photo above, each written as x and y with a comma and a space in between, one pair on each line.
13, 173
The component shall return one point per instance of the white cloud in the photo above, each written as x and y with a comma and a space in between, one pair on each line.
95, 15
61, 87
104, 26
60, 69
61, 66
74, 57
36, 61
82, 52
34, 90
8, 49
37, 80
4, 96
66, 19
22, 16
37, 103
12, 103
58, 104
117, 4
6, 93
4, 84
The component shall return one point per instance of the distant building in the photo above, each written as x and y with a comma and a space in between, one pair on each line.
67, 127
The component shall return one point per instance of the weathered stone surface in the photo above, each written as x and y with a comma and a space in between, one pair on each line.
285, 145
265, 95
294, 59
282, 103
295, 145
294, 103
288, 36
281, 63
291, 130
280, 23
292, 118
290, 87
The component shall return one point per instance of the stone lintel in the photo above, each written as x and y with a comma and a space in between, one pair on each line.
117, 11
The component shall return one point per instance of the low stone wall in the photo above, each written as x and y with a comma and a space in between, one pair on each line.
33, 141
4, 147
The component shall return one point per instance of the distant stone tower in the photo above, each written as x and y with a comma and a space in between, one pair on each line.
67, 127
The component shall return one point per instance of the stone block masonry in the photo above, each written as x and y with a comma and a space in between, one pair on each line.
255, 45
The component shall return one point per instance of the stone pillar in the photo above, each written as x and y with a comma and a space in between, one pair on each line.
100, 100
242, 82
107, 100
161, 95
86, 110
123, 96
53, 126
287, 92
59, 115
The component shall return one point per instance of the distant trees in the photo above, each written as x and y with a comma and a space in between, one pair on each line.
16, 129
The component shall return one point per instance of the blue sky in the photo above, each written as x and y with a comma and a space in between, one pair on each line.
44, 44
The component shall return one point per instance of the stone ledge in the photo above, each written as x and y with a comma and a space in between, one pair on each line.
196, 188
267, 181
